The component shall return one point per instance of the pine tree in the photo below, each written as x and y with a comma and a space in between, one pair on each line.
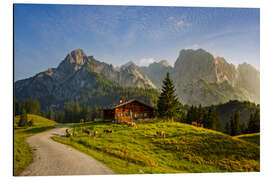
168, 104
243, 128
77, 112
16, 107
254, 122
50, 114
68, 113
23, 118
189, 118
235, 124
228, 128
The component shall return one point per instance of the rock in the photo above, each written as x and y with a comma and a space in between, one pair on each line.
202, 79
156, 72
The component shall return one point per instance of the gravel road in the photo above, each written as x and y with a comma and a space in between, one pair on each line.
52, 158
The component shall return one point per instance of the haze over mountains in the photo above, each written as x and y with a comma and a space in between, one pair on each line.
199, 78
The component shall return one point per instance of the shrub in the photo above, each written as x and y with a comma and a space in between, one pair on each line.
30, 123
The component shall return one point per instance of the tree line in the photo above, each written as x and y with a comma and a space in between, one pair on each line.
168, 107
73, 112
235, 127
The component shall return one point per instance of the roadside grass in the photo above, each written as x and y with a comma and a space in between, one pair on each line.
23, 154
253, 138
184, 149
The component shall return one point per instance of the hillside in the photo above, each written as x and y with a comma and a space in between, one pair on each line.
78, 77
23, 154
184, 149
224, 111
253, 138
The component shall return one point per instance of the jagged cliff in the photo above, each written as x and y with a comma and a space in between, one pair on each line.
202, 79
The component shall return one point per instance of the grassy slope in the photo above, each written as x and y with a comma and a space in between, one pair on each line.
185, 149
253, 138
22, 151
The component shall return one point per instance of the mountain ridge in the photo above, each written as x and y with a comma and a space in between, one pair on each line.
199, 78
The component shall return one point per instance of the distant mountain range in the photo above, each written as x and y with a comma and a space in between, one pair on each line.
77, 76
199, 79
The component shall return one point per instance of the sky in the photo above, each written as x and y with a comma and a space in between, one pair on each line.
45, 34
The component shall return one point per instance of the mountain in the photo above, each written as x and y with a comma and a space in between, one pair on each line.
199, 78
138, 78
156, 72
129, 63
202, 79
77, 76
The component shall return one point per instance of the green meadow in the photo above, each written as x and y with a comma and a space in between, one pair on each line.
185, 148
23, 154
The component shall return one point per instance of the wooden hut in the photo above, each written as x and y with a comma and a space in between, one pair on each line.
130, 110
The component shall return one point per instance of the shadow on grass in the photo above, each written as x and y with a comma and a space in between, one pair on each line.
59, 135
38, 129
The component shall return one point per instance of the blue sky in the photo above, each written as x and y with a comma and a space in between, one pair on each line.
45, 34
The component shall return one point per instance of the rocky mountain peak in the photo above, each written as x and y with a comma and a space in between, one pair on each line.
128, 64
202, 79
76, 57
73, 61
193, 65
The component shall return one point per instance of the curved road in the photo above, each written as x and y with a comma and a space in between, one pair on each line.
52, 158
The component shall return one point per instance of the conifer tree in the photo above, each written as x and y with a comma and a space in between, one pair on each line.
235, 124
168, 104
16, 107
228, 128
254, 122
23, 118
51, 114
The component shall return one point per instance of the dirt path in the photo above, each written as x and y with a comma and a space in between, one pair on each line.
52, 158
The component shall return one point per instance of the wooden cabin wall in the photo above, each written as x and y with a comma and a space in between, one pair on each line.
138, 111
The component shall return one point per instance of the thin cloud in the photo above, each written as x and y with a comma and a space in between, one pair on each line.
146, 61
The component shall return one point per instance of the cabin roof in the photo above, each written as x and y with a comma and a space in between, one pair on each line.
113, 106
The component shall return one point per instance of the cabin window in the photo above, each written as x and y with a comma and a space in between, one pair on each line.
145, 114
119, 114
126, 114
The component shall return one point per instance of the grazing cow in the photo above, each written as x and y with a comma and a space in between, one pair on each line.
126, 122
194, 123
67, 133
132, 124
95, 134
161, 133
200, 125
107, 131
86, 131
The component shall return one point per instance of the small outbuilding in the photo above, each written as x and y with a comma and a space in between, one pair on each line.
129, 110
